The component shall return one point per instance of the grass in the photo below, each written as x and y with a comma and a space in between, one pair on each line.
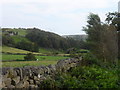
27, 63
40, 58
49, 51
6, 49
21, 32
18, 38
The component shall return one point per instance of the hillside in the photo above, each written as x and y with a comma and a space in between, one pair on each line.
76, 37
11, 50
32, 39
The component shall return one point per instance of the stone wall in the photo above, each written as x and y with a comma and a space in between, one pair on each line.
32, 76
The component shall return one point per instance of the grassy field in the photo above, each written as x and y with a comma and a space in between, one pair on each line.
40, 58
27, 63
6, 49
49, 51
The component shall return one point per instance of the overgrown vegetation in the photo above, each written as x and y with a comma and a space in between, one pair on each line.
85, 77
99, 68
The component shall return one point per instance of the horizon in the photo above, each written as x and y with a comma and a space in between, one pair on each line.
63, 17
41, 29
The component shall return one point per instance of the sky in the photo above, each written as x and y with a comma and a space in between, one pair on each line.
64, 17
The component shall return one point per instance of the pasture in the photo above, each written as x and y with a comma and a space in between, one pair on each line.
40, 58
18, 60
27, 63
11, 50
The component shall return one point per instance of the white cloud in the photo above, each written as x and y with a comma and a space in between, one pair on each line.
68, 14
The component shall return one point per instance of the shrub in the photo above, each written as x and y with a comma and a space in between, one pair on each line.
30, 56
84, 77
89, 59
95, 77
76, 55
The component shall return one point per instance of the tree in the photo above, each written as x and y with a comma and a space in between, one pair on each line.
48, 40
114, 19
102, 39
93, 29
7, 40
27, 45
30, 56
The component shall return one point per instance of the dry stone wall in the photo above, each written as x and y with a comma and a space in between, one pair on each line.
32, 76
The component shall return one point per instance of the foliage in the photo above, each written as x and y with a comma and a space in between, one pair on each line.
102, 39
7, 40
76, 53
84, 77
114, 19
89, 59
27, 45
30, 57
46, 39
95, 77
51, 40
40, 38
18, 38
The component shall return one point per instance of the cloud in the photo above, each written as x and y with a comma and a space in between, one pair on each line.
61, 16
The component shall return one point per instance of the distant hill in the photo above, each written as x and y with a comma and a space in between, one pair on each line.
76, 37
33, 38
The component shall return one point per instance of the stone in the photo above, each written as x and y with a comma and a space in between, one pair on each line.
52, 69
37, 82
11, 86
31, 81
11, 73
25, 78
26, 84
2, 84
16, 80
20, 85
32, 86
42, 78
7, 81
19, 72
4, 70
36, 78
31, 76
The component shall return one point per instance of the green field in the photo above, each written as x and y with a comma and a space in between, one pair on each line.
27, 63
49, 51
40, 58
19, 60
6, 49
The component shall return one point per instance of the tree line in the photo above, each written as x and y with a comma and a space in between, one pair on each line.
52, 40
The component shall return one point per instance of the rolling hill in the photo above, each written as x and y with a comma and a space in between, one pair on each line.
76, 37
